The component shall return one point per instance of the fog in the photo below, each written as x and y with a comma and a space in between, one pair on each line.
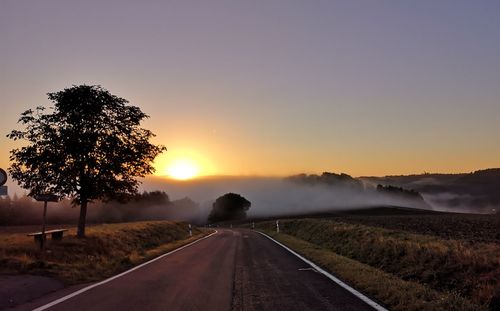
269, 197
276, 196
460, 203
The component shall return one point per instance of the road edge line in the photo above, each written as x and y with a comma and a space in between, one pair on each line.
83, 290
353, 291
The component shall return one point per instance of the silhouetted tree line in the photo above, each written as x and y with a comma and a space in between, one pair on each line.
155, 205
329, 179
400, 191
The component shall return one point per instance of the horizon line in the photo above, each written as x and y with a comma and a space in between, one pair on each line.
239, 176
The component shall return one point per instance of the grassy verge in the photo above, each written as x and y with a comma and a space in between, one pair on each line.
390, 290
462, 275
107, 250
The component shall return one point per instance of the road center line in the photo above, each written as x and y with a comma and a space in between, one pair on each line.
83, 290
356, 293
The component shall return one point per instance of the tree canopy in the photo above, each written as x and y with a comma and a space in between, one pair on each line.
88, 146
230, 206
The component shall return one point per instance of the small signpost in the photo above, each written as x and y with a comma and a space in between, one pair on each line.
3, 180
277, 226
45, 198
190, 231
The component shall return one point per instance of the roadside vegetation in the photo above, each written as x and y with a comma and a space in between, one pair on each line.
107, 250
403, 270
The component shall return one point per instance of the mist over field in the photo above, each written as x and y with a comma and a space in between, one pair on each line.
474, 192
191, 200
276, 196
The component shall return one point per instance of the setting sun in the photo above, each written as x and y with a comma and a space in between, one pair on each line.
183, 164
183, 169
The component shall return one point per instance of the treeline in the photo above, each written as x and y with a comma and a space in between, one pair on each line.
329, 179
399, 191
156, 205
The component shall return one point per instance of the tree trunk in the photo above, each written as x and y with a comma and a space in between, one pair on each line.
81, 220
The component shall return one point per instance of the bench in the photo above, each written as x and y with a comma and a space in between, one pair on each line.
56, 235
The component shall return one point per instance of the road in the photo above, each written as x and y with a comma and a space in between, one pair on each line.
232, 270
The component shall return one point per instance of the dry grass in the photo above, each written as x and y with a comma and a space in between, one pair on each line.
108, 249
471, 271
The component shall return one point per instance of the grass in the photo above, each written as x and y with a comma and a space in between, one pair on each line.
459, 273
107, 250
391, 291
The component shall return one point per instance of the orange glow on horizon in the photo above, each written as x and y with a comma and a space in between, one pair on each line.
182, 165
183, 169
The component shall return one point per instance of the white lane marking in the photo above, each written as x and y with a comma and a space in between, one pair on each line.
367, 300
308, 269
83, 290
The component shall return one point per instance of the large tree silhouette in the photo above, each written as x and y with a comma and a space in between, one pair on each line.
230, 206
88, 146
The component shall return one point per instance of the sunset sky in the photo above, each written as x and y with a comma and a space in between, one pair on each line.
272, 87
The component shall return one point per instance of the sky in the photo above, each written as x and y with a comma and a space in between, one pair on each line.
273, 87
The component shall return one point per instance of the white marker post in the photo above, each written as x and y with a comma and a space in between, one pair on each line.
253, 225
277, 226
190, 231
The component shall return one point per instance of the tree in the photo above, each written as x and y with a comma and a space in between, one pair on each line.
90, 146
230, 206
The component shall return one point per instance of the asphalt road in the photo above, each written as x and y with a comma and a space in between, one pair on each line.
232, 270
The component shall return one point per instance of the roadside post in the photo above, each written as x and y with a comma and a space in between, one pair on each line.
190, 231
45, 198
3, 180
277, 226
253, 225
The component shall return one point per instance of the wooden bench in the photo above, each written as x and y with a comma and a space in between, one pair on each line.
56, 235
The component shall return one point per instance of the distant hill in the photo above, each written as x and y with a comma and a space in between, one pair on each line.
488, 177
382, 194
477, 191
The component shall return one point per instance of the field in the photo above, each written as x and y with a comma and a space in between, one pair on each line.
107, 249
425, 262
464, 227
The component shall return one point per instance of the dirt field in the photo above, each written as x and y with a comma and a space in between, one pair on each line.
472, 228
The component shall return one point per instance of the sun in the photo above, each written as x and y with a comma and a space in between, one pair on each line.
183, 164
183, 169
